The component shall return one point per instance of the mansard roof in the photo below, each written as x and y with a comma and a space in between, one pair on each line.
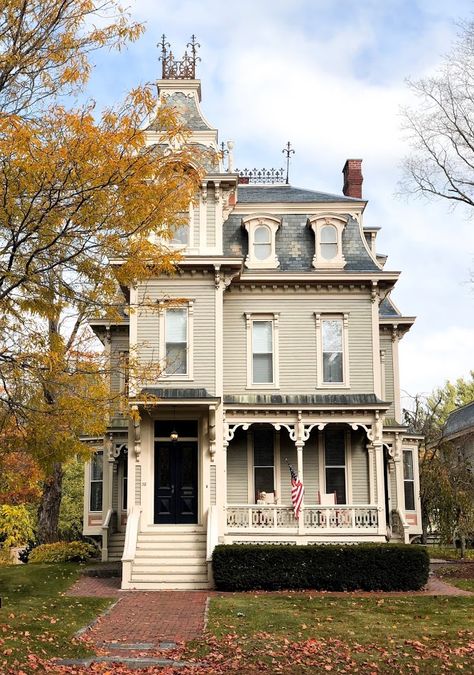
257, 194
460, 421
388, 309
295, 242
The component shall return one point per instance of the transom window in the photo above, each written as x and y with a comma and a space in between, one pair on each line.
176, 341
408, 480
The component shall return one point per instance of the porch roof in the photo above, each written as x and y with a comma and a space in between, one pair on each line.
195, 395
320, 400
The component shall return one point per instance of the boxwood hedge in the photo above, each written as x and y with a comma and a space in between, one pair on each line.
334, 567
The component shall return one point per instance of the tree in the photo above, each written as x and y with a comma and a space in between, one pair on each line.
440, 129
85, 207
446, 479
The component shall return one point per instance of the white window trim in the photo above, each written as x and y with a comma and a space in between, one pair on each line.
251, 467
320, 384
274, 318
250, 223
317, 223
413, 480
89, 482
189, 375
348, 467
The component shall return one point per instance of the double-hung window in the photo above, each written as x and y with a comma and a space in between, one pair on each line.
264, 463
332, 361
176, 340
328, 231
335, 464
96, 480
262, 241
408, 480
262, 346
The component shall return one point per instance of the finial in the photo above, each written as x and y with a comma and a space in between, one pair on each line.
185, 69
288, 150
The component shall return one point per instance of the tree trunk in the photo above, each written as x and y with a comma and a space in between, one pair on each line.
424, 525
48, 512
463, 545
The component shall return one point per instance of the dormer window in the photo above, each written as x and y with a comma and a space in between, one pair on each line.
328, 241
261, 232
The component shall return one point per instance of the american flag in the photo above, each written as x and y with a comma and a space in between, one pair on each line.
297, 492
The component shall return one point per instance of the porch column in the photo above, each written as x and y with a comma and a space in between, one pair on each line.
377, 442
371, 463
300, 442
107, 488
397, 460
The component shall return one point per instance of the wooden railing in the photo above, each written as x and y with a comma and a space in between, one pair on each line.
273, 517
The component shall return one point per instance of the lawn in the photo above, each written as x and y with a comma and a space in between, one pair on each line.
460, 575
36, 619
449, 553
304, 633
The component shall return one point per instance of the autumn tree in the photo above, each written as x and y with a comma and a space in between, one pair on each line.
80, 192
440, 127
446, 479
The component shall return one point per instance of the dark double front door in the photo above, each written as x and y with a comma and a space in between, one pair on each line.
175, 482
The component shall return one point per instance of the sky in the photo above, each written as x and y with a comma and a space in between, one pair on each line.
331, 78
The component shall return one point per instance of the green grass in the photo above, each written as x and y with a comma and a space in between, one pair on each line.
449, 553
37, 619
298, 632
465, 584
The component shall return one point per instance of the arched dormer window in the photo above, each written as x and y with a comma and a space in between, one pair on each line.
328, 241
262, 231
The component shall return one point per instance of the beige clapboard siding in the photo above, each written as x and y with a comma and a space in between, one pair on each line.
115, 487
119, 344
210, 218
360, 471
393, 491
386, 345
287, 451
311, 469
196, 233
237, 470
297, 340
201, 290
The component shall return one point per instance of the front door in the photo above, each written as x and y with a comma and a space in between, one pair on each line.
175, 482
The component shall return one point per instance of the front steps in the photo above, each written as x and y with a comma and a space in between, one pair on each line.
116, 544
170, 559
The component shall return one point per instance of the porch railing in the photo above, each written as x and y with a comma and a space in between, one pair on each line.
318, 518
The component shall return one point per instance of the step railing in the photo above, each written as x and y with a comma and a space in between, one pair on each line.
130, 546
400, 525
348, 518
105, 535
212, 531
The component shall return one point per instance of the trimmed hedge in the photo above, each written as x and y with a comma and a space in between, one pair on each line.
368, 567
62, 552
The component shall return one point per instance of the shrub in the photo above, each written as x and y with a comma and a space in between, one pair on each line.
368, 567
15, 525
62, 552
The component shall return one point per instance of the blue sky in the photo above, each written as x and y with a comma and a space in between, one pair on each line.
330, 77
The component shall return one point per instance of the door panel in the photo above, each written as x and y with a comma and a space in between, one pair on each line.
175, 482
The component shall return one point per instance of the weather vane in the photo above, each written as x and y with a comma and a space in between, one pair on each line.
288, 150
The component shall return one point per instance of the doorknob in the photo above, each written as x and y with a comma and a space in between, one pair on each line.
172, 489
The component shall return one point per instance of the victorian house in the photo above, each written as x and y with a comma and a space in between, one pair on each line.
284, 351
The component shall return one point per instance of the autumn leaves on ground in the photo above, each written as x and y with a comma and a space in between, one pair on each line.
247, 632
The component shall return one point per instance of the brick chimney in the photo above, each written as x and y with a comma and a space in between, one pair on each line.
352, 173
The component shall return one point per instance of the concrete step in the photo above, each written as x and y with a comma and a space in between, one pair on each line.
170, 570
171, 546
169, 585
170, 538
169, 559
170, 579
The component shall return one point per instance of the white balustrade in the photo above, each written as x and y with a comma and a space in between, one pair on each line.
258, 517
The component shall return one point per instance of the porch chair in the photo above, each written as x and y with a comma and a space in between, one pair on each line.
327, 498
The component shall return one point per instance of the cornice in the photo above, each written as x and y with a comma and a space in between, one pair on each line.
314, 208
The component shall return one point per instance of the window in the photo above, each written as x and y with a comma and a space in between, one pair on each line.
181, 236
408, 480
335, 464
328, 244
262, 248
96, 480
264, 464
328, 232
333, 350
262, 350
176, 340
